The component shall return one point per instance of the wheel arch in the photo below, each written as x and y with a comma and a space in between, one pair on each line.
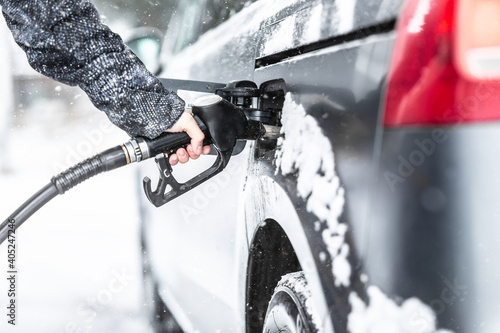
278, 245
271, 256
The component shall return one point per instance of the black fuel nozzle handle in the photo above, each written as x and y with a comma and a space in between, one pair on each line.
169, 142
223, 124
226, 121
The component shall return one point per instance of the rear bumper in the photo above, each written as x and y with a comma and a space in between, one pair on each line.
434, 231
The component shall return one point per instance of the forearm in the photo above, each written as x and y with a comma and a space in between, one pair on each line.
65, 40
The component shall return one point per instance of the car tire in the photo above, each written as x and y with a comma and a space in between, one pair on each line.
290, 309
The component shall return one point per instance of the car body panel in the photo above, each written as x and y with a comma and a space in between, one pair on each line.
307, 22
338, 91
344, 97
436, 217
192, 276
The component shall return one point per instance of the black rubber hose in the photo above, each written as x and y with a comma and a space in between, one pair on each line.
108, 160
26, 210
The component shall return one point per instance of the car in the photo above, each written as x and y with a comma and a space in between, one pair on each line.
376, 210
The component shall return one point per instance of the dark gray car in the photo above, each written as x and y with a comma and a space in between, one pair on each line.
376, 211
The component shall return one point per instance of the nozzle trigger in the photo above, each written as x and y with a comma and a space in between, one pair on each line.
168, 188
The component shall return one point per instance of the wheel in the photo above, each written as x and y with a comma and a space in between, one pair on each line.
290, 309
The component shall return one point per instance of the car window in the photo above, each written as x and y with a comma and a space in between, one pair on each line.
185, 21
193, 18
217, 11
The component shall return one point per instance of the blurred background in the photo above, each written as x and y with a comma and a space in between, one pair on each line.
78, 258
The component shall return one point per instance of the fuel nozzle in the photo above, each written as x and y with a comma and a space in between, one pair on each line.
223, 124
228, 122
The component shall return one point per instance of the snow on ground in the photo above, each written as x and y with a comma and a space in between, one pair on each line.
78, 257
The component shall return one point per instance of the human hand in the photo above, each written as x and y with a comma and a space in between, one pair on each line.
186, 123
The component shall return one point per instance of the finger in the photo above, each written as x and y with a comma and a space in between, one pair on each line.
191, 153
182, 155
206, 150
173, 159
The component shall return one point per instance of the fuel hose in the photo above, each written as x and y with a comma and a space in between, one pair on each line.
135, 150
222, 122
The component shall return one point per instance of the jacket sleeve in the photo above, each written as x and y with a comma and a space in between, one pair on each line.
65, 40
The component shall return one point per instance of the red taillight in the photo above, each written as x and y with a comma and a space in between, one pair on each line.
443, 68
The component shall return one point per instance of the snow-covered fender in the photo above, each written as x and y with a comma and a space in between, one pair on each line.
296, 186
276, 205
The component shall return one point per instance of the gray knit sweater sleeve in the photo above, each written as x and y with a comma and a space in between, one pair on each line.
65, 40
